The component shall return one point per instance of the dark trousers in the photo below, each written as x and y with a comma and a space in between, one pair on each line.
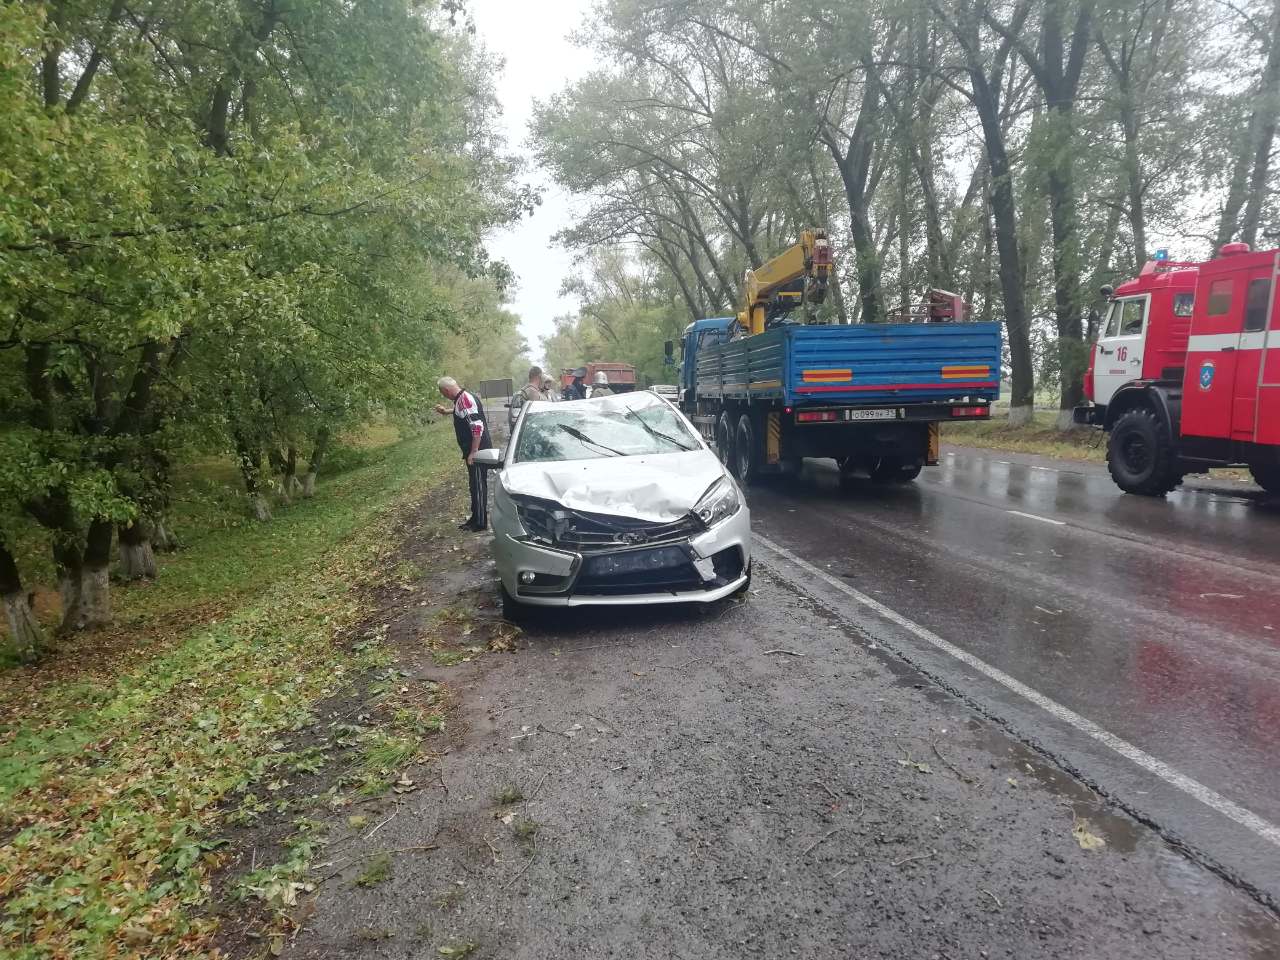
478, 480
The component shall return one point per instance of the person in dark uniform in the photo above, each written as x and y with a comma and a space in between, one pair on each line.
472, 430
577, 390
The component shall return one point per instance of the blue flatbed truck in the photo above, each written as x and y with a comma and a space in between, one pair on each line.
870, 396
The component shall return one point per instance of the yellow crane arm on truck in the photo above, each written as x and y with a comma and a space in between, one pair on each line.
794, 277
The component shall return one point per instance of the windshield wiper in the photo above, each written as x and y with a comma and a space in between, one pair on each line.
656, 433
583, 438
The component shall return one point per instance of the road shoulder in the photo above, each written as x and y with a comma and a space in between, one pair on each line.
747, 780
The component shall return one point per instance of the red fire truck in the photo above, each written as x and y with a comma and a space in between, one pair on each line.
1186, 372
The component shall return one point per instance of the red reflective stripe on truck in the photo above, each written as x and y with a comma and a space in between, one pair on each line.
850, 388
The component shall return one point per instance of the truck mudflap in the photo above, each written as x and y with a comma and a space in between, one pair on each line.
933, 447
773, 438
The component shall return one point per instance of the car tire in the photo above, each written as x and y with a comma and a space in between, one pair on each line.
513, 611
746, 459
1140, 457
893, 470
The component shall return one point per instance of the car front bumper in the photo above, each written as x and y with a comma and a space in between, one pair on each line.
565, 578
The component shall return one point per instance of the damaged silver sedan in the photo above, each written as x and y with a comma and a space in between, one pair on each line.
614, 501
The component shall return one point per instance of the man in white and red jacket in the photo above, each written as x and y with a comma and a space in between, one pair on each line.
472, 431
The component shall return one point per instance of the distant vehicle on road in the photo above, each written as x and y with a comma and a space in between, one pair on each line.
1185, 375
614, 501
770, 391
622, 376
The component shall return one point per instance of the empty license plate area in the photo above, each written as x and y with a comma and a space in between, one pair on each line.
635, 561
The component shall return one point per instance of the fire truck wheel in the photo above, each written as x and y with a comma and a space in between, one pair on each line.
1267, 476
1139, 455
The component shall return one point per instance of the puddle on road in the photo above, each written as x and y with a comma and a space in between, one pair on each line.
1120, 831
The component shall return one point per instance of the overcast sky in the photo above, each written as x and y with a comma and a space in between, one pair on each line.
540, 60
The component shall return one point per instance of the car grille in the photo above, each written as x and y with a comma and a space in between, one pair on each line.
550, 523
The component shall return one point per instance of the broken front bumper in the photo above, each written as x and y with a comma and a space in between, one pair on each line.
700, 569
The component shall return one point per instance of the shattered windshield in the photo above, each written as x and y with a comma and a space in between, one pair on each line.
589, 430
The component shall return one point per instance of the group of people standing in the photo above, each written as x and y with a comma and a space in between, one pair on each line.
542, 386
472, 427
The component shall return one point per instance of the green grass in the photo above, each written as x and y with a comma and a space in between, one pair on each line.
1040, 437
378, 870
114, 761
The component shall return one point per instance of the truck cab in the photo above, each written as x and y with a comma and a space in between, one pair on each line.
1186, 373
1143, 335
697, 336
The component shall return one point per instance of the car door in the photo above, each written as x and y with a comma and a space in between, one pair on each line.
1119, 349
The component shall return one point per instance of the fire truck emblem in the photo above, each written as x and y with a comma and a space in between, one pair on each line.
1206, 375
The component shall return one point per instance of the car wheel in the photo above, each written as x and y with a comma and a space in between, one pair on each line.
513, 611
746, 461
1140, 458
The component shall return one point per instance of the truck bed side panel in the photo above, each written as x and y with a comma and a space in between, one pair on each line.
753, 366
893, 363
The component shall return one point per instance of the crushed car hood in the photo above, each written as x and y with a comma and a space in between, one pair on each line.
662, 487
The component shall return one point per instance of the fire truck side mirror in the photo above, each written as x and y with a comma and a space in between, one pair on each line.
1107, 291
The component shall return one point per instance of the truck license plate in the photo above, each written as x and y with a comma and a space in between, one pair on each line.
873, 414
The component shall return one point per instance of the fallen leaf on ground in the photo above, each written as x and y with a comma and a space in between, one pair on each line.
921, 767
1085, 837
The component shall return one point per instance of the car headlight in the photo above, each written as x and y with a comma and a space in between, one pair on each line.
718, 504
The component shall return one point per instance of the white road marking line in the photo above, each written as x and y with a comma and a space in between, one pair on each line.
1193, 788
1032, 516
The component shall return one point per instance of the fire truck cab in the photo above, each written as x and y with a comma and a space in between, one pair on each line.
1185, 374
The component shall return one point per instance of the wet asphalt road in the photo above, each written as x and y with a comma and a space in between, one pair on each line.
1156, 620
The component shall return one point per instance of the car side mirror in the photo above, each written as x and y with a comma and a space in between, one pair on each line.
668, 351
490, 458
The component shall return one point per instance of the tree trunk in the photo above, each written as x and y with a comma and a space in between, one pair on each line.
1133, 176
1248, 185
290, 486
1066, 290
1268, 110
26, 639
95, 579
318, 452
1004, 218
864, 247
250, 458
137, 558
69, 562
162, 538
904, 235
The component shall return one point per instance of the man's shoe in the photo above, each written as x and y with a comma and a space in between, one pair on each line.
467, 525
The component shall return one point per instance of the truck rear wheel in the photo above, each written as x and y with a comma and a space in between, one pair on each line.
746, 458
1140, 455
893, 470
724, 439
1267, 476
